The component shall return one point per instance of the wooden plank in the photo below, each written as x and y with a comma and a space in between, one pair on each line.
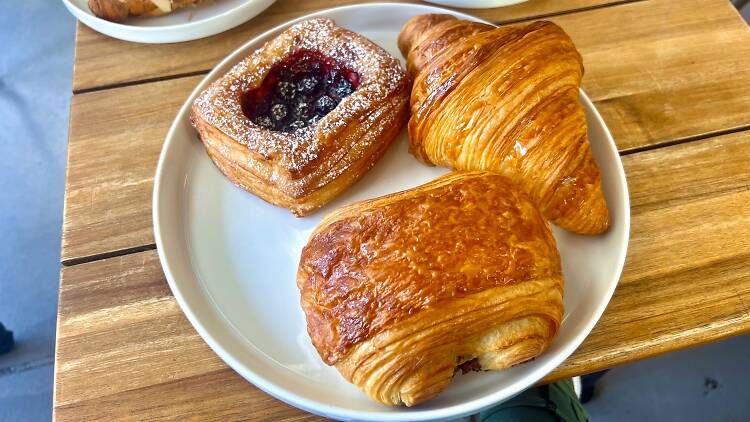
647, 99
658, 72
687, 275
126, 351
99, 58
214, 396
114, 144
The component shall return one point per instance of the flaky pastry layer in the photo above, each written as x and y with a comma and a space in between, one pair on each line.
505, 100
119, 10
304, 169
400, 290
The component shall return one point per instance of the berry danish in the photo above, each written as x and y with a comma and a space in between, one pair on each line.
305, 116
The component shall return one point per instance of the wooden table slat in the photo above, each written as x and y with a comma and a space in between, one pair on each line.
213, 396
99, 59
114, 144
660, 73
122, 338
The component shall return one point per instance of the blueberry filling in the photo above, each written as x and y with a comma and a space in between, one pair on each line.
324, 105
278, 112
302, 110
286, 90
308, 85
298, 91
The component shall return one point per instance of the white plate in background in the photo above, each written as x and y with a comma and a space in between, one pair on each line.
185, 24
231, 258
476, 4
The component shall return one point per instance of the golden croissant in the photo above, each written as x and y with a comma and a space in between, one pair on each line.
119, 10
505, 100
400, 291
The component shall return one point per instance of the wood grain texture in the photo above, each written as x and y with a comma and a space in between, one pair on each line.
659, 73
99, 58
687, 275
657, 92
114, 144
125, 350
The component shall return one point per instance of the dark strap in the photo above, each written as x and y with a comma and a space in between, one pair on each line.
6, 339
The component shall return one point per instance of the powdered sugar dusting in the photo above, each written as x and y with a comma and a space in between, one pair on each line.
306, 158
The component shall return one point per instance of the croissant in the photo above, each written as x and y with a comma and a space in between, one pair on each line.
402, 290
505, 100
119, 10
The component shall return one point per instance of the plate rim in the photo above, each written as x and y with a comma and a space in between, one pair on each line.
176, 32
469, 4
293, 399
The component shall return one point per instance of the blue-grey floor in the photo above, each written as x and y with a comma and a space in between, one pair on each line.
35, 84
705, 383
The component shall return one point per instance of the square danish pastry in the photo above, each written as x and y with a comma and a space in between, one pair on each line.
305, 116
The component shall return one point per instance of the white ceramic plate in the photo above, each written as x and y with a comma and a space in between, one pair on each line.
231, 259
189, 23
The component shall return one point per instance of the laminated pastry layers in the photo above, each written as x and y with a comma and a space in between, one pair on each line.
119, 10
400, 291
285, 125
505, 100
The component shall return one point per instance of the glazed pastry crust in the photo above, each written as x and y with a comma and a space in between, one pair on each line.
305, 169
119, 10
505, 100
400, 290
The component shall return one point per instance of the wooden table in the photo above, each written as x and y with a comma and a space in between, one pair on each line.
671, 79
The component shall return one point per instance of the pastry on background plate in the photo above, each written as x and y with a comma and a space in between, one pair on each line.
305, 116
119, 10
505, 100
401, 291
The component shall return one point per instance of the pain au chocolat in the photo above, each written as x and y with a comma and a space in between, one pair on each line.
401, 290
305, 116
505, 100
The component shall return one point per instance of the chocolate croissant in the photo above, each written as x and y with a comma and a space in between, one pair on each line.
400, 291
505, 100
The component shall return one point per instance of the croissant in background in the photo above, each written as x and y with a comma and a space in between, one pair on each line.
119, 10
400, 291
505, 100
